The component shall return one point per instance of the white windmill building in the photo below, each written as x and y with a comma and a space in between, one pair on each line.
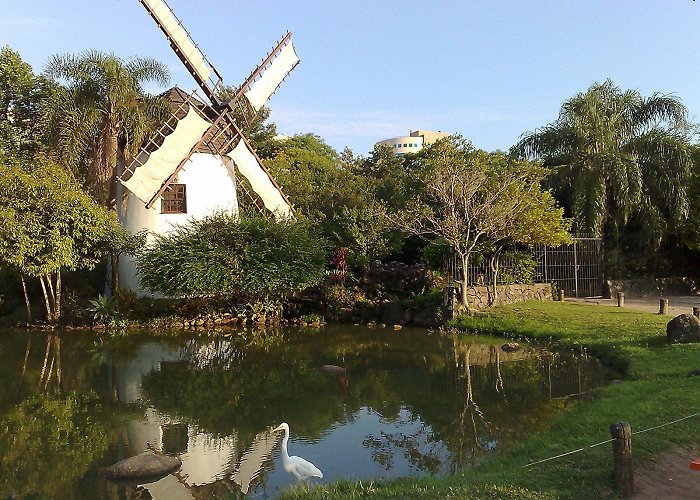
191, 166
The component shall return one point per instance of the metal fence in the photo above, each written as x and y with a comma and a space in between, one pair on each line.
576, 268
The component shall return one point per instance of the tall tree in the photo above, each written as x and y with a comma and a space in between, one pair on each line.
48, 225
617, 155
474, 199
21, 93
102, 114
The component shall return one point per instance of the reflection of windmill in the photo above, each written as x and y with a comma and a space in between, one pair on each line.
189, 168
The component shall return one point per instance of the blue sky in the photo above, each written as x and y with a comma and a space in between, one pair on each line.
489, 70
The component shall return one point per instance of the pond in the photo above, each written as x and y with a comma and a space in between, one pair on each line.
410, 403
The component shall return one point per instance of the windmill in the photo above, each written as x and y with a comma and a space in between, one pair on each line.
195, 126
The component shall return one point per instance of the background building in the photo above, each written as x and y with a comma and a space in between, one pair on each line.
413, 142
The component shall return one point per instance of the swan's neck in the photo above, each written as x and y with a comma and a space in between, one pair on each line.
285, 453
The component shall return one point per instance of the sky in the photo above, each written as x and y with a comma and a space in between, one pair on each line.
371, 70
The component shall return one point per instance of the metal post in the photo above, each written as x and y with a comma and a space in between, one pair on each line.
575, 270
546, 280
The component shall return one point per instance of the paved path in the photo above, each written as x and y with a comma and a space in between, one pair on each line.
677, 304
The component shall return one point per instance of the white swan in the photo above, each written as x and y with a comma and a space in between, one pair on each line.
297, 466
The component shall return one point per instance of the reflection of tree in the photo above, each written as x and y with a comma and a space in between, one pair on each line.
412, 445
53, 355
468, 397
48, 442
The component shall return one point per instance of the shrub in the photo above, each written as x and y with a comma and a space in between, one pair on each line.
224, 254
522, 271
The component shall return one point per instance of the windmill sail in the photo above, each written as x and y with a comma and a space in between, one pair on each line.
261, 90
180, 39
148, 178
249, 165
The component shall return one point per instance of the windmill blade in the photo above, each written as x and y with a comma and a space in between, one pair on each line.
260, 180
204, 73
269, 75
153, 177
151, 169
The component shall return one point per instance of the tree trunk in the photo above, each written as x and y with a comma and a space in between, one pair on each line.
465, 281
49, 313
57, 298
495, 266
26, 300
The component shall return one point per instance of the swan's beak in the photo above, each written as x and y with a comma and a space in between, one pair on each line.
278, 428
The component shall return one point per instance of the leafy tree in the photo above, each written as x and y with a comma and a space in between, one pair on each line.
21, 93
473, 199
261, 134
48, 224
102, 115
615, 155
329, 189
533, 215
223, 254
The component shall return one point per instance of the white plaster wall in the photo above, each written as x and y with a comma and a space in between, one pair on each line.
211, 186
415, 144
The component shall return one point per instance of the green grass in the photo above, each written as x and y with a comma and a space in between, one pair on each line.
655, 391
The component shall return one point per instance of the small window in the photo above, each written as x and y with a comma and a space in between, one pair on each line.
174, 200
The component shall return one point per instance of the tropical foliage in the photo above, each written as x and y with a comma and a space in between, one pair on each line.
616, 155
48, 224
476, 201
224, 255
102, 114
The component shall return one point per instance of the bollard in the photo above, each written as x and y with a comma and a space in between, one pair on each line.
561, 295
663, 306
622, 457
620, 299
696, 312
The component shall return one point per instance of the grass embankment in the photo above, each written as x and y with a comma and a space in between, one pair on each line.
656, 391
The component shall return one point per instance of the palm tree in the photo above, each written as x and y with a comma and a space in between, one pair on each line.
102, 114
617, 155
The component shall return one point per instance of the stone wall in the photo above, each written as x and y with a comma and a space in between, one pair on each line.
650, 287
478, 296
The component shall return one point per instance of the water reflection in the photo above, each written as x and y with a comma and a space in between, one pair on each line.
408, 404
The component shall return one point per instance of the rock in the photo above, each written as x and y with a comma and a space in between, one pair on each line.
393, 313
510, 347
693, 373
331, 369
147, 464
616, 382
683, 328
398, 327
424, 317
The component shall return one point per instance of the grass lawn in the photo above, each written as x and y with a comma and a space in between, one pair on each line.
656, 390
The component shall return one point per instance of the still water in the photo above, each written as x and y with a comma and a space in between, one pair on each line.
409, 404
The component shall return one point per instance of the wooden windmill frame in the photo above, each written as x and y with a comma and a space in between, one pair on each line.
151, 174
